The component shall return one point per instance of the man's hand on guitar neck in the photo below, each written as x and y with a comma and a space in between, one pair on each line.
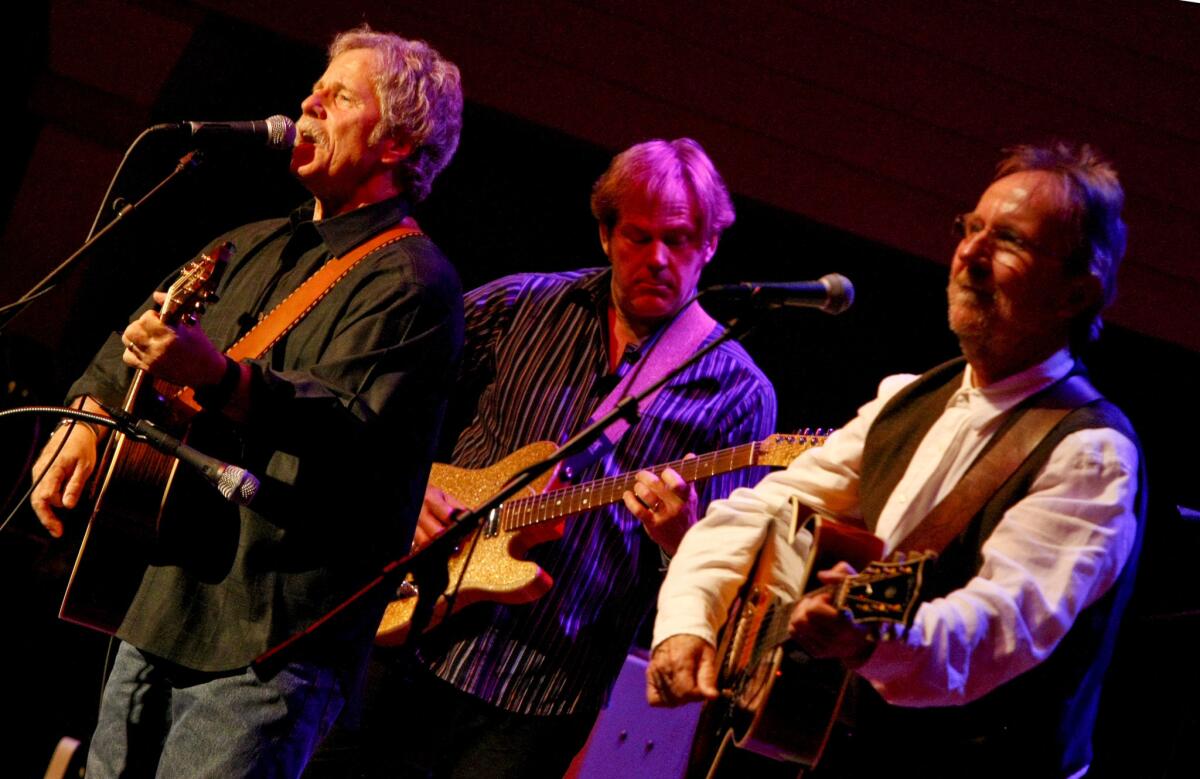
182, 354
823, 631
666, 506
66, 475
682, 668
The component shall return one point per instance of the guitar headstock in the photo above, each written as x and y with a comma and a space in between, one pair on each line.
196, 285
781, 448
885, 592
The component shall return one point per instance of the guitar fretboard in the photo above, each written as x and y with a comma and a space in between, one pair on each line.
525, 512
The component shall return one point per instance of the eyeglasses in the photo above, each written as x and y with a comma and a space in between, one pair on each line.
967, 226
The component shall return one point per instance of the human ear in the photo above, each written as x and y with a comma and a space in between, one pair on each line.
393, 151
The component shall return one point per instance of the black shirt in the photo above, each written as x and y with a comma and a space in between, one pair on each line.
343, 416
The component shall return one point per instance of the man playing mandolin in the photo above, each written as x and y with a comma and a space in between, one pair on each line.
1000, 672
513, 690
338, 416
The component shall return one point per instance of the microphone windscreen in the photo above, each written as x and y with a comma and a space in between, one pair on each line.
841, 293
281, 132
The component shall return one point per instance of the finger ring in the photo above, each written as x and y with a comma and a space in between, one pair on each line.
656, 506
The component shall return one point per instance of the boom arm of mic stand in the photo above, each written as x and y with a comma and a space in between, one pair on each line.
64, 411
10, 311
436, 553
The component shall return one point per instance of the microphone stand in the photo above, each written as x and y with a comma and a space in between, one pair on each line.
121, 421
429, 565
74, 413
10, 311
78, 415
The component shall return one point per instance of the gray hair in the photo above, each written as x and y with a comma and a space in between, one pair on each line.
1096, 230
656, 166
420, 97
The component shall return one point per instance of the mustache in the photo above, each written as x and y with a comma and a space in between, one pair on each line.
312, 132
963, 282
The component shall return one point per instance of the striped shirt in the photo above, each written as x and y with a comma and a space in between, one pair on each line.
536, 359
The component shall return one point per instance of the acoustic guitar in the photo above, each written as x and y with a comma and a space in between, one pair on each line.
132, 491
776, 700
494, 551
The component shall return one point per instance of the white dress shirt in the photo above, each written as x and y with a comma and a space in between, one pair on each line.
1054, 552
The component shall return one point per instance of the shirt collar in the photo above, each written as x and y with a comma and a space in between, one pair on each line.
594, 290
1011, 390
344, 232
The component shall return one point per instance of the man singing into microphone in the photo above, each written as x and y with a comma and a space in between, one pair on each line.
338, 417
513, 691
1000, 673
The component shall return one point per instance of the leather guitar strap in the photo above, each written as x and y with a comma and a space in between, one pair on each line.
951, 515
304, 298
680, 340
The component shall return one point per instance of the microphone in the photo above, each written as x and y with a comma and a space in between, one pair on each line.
832, 293
277, 132
234, 483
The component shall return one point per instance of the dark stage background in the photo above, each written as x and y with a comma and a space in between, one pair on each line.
515, 198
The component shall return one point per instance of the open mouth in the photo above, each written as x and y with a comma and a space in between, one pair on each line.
303, 153
306, 134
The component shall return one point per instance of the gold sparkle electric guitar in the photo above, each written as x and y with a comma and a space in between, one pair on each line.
488, 564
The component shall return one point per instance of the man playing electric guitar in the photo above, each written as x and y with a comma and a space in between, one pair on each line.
1000, 672
514, 690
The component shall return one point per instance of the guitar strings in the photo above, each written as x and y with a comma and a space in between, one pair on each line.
524, 511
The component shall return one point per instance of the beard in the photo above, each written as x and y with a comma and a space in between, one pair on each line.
971, 312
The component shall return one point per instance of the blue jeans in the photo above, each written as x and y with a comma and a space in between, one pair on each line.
158, 719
